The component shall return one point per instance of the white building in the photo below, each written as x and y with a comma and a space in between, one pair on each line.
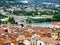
37, 40
26, 42
4, 19
2, 12
29, 9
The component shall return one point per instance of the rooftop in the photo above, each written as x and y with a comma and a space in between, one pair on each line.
15, 34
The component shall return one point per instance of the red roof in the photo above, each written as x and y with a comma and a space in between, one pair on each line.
56, 23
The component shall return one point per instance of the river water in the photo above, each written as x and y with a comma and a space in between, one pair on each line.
47, 24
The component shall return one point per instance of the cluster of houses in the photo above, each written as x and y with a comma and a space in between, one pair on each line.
14, 34
5, 10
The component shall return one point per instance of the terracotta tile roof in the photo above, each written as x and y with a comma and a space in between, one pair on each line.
28, 38
3, 40
38, 33
49, 40
21, 37
44, 29
27, 27
57, 30
33, 33
1, 31
43, 35
13, 40
36, 28
26, 34
11, 29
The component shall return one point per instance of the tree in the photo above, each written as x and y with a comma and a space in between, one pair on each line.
11, 20
56, 18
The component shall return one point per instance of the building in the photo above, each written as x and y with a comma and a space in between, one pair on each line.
19, 19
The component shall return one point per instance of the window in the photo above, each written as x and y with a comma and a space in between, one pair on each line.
59, 39
49, 35
55, 34
40, 43
8, 44
59, 34
21, 44
6, 30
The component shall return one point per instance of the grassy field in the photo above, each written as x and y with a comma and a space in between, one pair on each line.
9, 15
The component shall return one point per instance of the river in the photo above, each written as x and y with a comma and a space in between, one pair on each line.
47, 24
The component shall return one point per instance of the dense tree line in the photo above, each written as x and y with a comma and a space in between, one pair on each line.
56, 18
56, 15
2, 16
